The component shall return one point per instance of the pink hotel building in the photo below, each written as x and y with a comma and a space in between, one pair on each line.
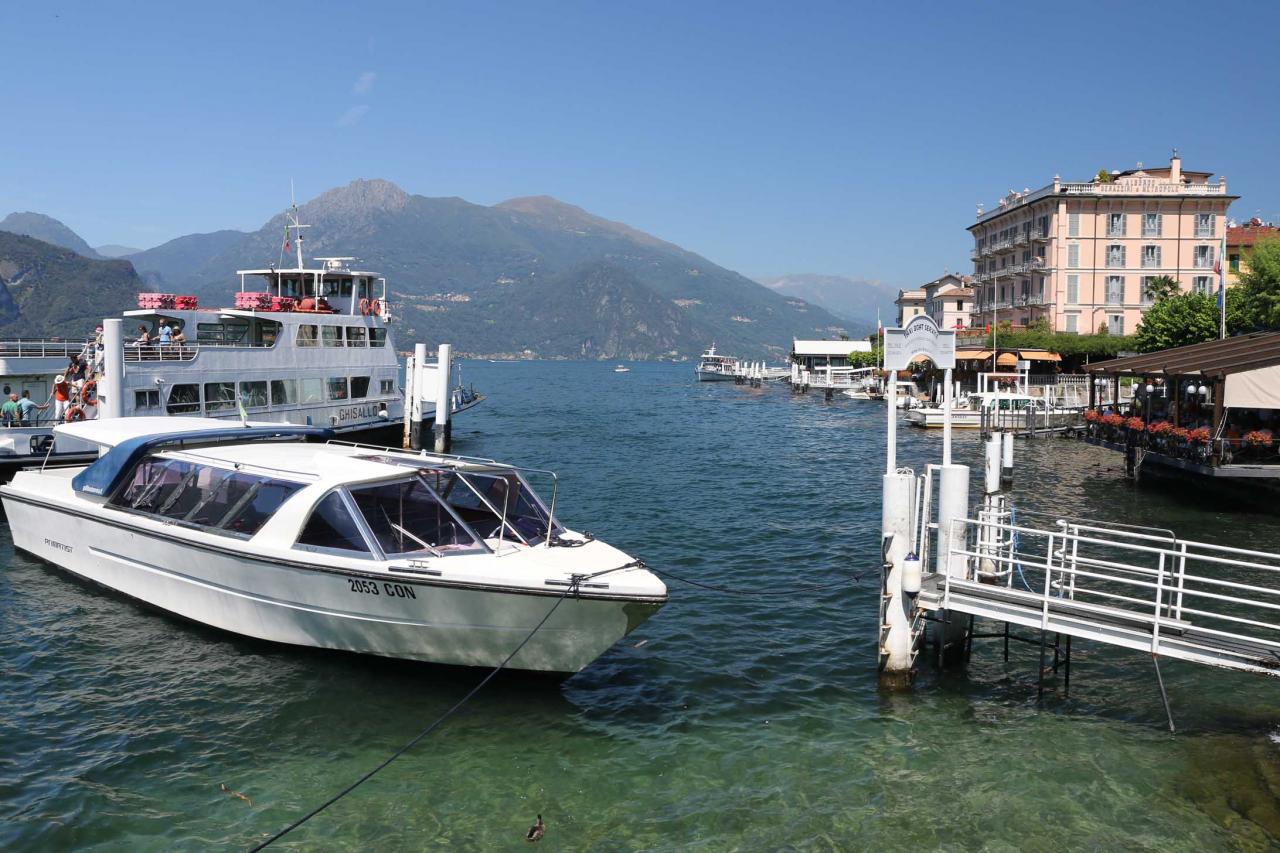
1080, 254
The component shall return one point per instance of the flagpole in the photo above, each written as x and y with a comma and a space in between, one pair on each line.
1222, 283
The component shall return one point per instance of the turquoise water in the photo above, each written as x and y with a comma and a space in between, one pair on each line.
724, 723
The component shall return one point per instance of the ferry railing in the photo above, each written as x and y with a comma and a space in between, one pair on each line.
36, 348
1140, 589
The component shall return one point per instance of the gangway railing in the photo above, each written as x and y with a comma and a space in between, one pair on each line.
1133, 588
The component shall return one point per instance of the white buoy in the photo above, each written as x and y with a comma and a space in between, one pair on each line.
111, 399
912, 573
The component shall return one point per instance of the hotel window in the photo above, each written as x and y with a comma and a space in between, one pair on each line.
1151, 256
1073, 323
1202, 284
1115, 290
1073, 255
1073, 225
1073, 289
1144, 289
1115, 256
1115, 224
1042, 227
1203, 257
1115, 324
1151, 225
1234, 263
1204, 224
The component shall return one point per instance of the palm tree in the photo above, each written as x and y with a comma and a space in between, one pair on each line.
1161, 287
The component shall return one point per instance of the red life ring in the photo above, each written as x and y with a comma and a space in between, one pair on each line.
75, 413
377, 307
364, 307
88, 393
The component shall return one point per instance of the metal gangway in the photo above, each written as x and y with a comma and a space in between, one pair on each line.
1136, 588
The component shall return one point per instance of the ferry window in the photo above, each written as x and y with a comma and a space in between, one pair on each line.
345, 287
183, 400
406, 517
219, 396
253, 394
337, 388
355, 336
149, 399
265, 334
229, 333
307, 336
359, 387
310, 390
283, 392
377, 337
331, 335
290, 287
332, 527
386, 386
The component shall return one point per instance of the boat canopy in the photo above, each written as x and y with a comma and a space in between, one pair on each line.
102, 477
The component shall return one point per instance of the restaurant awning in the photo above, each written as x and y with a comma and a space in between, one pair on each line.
972, 354
1038, 355
1007, 359
1253, 389
1213, 359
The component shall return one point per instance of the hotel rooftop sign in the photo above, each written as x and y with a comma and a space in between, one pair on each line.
920, 337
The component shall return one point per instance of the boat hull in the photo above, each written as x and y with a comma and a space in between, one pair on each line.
326, 607
708, 376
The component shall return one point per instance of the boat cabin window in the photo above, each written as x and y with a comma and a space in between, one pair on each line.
205, 497
407, 518
225, 333
331, 528
310, 390
359, 387
147, 399
356, 336
331, 335
386, 386
337, 388
219, 396
183, 400
307, 336
482, 500
254, 394
377, 337
265, 333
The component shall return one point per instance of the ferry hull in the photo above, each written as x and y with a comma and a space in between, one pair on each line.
708, 376
323, 606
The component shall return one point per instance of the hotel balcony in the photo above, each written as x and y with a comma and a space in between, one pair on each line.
1040, 265
975, 253
1003, 245
1202, 263
1022, 238
1039, 234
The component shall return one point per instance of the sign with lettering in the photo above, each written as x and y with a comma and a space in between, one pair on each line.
920, 337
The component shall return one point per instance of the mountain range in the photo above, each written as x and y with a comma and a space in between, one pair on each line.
856, 300
530, 276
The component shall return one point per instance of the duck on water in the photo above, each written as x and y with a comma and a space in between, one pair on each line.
280, 533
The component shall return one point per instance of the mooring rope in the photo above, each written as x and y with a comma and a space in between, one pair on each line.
857, 578
573, 588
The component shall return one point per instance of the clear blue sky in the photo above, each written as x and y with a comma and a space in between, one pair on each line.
770, 137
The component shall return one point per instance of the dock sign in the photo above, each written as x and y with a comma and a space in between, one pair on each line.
921, 337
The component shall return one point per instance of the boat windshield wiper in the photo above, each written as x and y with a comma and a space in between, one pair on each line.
424, 544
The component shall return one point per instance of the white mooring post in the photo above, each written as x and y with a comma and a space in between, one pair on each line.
410, 374
946, 418
111, 404
444, 397
419, 388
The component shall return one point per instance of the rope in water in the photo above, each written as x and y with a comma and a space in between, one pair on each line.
573, 587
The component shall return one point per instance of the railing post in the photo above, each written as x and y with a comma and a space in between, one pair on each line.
1048, 580
1155, 629
1182, 574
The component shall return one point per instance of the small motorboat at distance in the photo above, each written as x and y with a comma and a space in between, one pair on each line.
622, 368
277, 532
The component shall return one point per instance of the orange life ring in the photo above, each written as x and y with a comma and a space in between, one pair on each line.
377, 307
364, 307
88, 392
75, 413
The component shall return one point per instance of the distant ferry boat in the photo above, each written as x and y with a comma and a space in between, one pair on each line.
713, 367
310, 346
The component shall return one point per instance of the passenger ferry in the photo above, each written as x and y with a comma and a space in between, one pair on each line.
263, 532
307, 346
713, 367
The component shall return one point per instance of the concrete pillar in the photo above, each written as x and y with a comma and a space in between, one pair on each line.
111, 396
419, 388
891, 398
946, 417
444, 397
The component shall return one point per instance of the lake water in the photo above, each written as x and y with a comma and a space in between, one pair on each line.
723, 723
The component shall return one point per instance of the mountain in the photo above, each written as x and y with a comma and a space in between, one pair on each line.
49, 230
111, 250
52, 291
530, 274
853, 299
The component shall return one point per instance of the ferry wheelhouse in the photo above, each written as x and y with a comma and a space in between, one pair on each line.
265, 532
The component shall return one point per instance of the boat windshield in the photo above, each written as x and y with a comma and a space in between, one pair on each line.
485, 499
407, 517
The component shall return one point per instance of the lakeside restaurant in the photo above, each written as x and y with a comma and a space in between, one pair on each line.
1209, 410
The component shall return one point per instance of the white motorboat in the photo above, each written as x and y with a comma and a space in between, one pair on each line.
713, 367
1005, 409
262, 532
622, 368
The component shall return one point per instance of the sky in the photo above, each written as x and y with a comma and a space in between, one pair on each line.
772, 138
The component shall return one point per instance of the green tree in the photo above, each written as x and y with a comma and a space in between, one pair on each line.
1260, 281
1103, 177
1192, 318
859, 358
1162, 287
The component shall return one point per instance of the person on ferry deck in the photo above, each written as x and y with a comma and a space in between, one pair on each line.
27, 409
179, 337
76, 370
99, 350
144, 339
164, 334
10, 412
61, 397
